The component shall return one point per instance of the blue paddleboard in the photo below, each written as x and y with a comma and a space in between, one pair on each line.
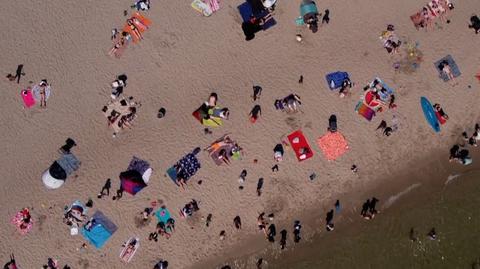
429, 113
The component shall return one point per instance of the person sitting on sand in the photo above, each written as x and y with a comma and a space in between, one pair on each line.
475, 23
161, 265
134, 28
346, 84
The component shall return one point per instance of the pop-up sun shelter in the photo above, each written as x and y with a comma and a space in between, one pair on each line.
57, 173
185, 168
136, 177
336, 79
100, 231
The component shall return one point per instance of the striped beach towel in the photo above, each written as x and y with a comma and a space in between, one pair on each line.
213, 4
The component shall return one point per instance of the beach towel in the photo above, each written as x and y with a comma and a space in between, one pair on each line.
213, 4
418, 20
163, 215
429, 113
299, 143
440, 119
216, 154
333, 145
335, 80
207, 120
453, 67
126, 255
385, 96
186, 167
17, 221
246, 11
365, 111
27, 97
36, 92
202, 7
101, 231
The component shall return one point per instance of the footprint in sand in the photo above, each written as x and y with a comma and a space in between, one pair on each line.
41, 221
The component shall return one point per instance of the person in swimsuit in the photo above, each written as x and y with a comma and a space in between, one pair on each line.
43, 88
445, 68
255, 113
134, 28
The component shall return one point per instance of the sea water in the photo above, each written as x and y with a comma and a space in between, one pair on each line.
452, 207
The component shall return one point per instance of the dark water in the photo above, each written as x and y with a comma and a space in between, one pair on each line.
453, 209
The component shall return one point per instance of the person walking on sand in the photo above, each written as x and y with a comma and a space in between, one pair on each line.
326, 17
262, 224
257, 92
255, 113
364, 212
371, 207
329, 221
296, 231
19, 73
259, 186
237, 222
105, 188
283, 239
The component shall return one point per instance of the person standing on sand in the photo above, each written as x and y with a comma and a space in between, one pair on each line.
371, 207
257, 92
271, 233
255, 113
329, 220
283, 239
296, 231
237, 222
262, 224
364, 211
259, 186
259, 263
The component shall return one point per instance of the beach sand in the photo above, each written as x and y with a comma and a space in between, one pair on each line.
183, 58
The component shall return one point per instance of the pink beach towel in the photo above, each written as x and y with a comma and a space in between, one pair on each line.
27, 97
214, 4
17, 220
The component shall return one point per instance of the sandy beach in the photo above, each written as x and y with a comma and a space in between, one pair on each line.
181, 60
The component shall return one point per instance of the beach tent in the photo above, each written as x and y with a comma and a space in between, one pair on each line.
333, 145
185, 168
300, 145
430, 114
57, 173
136, 177
102, 229
451, 63
335, 80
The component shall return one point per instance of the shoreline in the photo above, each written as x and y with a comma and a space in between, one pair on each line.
402, 184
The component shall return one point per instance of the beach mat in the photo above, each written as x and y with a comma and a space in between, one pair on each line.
453, 66
102, 230
163, 215
335, 79
215, 155
365, 111
27, 97
172, 174
124, 255
301, 143
429, 113
245, 9
211, 122
202, 7
333, 145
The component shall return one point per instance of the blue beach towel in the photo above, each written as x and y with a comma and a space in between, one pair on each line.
162, 215
429, 113
246, 12
335, 79
101, 231
453, 66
